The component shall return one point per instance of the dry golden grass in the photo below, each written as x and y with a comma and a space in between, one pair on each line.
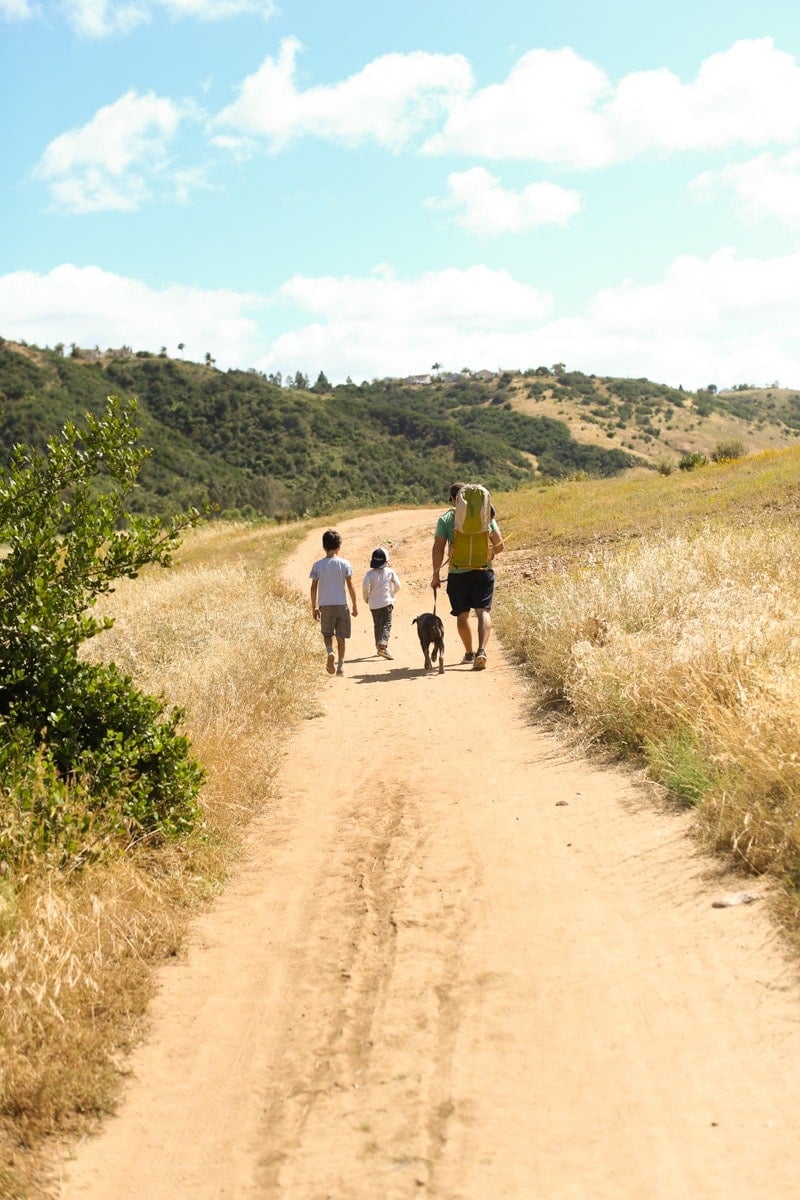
234, 648
545, 528
215, 642
678, 649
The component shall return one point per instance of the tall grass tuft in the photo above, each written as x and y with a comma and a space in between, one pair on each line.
684, 651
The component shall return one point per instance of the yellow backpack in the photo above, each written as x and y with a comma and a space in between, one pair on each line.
471, 521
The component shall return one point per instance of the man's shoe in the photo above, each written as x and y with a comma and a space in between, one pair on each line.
384, 653
330, 666
340, 669
468, 657
480, 661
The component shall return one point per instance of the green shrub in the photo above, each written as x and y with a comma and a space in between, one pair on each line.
690, 462
86, 756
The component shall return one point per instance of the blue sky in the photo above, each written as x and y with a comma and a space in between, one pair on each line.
367, 189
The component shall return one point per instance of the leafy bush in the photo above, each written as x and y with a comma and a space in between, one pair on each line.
690, 462
86, 755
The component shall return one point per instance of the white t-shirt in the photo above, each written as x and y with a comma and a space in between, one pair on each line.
330, 574
379, 586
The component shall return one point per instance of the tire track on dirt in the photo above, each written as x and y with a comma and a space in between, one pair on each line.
376, 1079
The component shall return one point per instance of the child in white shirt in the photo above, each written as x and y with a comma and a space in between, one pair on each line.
379, 587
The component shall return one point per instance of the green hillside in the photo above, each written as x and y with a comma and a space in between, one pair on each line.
240, 441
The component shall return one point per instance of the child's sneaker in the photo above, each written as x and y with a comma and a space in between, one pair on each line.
330, 666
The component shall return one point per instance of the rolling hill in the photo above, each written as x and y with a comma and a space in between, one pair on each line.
250, 447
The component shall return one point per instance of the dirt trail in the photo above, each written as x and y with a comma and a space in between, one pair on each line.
457, 966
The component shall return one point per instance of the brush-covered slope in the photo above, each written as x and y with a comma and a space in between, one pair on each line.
239, 441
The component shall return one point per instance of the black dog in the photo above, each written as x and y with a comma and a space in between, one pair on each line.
431, 638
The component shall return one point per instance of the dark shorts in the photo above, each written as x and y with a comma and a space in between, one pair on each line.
470, 589
334, 620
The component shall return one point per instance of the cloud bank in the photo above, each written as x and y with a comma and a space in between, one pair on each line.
92, 307
722, 319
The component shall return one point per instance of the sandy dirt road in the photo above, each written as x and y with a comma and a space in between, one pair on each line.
457, 963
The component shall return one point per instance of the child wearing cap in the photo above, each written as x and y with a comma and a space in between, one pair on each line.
379, 587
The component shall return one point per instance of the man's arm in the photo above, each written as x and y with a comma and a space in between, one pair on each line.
497, 543
314, 609
437, 558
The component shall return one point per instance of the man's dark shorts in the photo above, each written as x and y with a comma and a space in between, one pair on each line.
470, 589
334, 620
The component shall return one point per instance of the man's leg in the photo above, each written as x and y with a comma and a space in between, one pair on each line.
460, 607
340, 645
484, 626
482, 600
465, 630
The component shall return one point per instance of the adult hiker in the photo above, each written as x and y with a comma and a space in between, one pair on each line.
470, 530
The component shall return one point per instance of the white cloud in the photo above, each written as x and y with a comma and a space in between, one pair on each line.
113, 161
392, 98
382, 325
92, 307
217, 10
721, 320
482, 206
17, 10
767, 186
100, 18
747, 95
556, 107
545, 111
462, 297
240, 148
